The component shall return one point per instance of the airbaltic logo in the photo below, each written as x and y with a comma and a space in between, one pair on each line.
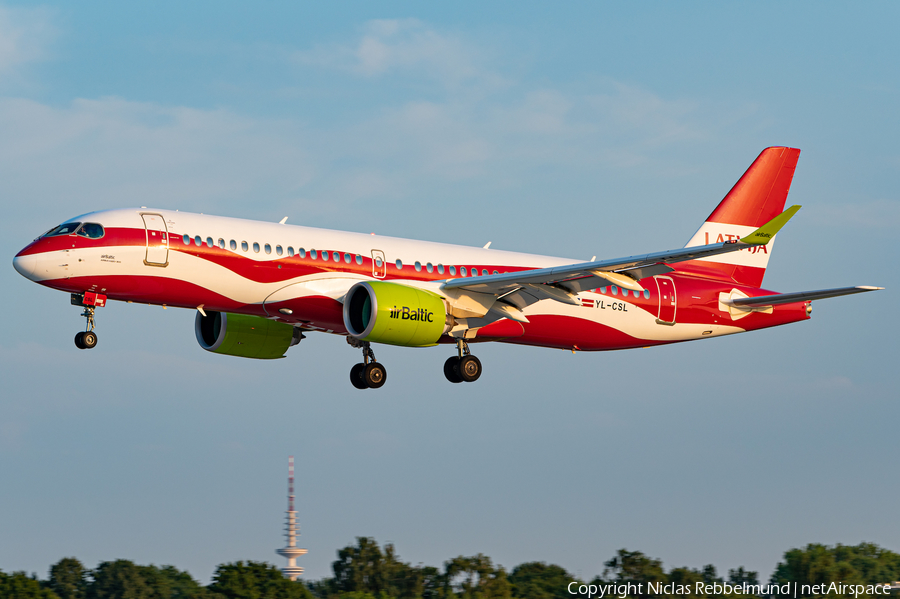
405, 313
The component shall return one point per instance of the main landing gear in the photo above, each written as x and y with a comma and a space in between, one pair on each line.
368, 374
88, 338
463, 367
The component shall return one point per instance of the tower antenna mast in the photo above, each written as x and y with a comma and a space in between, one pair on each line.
291, 551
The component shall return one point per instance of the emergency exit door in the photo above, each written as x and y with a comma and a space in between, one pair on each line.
157, 240
667, 303
379, 268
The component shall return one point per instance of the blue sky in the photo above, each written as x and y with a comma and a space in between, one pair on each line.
586, 129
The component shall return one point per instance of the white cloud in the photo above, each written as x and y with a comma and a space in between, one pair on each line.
24, 35
479, 124
640, 113
407, 46
112, 152
511, 139
475, 133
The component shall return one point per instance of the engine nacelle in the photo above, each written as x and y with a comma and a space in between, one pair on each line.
395, 314
244, 336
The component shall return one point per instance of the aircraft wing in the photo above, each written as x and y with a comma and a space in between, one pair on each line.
561, 282
800, 296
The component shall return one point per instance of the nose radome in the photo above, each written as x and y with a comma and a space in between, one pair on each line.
25, 265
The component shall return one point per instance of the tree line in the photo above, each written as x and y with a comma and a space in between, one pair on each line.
368, 571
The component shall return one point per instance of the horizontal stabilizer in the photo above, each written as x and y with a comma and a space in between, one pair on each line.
800, 296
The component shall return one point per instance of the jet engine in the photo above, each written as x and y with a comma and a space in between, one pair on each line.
244, 336
396, 314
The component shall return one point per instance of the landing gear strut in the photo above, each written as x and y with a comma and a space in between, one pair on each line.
90, 301
368, 374
463, 367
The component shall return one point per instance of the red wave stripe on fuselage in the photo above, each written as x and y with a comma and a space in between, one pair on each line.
113, 237
259, 271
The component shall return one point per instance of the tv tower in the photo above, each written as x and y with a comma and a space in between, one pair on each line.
291, 552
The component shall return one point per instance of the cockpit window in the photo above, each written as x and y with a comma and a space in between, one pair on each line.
91, 230
63, 229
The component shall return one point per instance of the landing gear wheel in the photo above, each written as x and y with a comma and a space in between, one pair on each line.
469, 368
356, 376
374, 375
79, 343
451, 369
89, 339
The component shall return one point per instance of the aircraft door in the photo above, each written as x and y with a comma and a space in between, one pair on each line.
379, 267
667, 303
157, 240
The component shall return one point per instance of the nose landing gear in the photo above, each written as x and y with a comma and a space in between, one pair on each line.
90, 301
368, 374
463, 367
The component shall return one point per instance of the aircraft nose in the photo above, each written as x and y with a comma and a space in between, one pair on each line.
25, 265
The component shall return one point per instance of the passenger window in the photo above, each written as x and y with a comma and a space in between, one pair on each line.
646, 294
244, 246
452, 270
484, 272
314, 254
615, 290
268, 248
279, 251
233, 245
209, 242
441, 268
325, 255
399, 264
198, 241
290, 251
336, 256
429, 267
302, 252
186, 239
221, 243
603, 290
347, 258
64, 229
255, 247
359, 259
495, 272
418, 266
378, 261
463, 271
91, 231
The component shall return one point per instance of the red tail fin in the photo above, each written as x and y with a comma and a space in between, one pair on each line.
758, 197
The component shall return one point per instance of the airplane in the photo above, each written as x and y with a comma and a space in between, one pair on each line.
258, 287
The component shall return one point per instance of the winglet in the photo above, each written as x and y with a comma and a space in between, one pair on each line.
765, 233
